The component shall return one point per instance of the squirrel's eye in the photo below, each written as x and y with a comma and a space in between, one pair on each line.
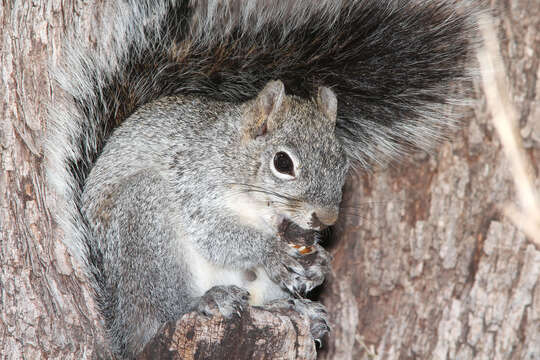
283, 163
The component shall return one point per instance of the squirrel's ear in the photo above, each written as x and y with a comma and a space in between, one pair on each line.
258, 118
327, 103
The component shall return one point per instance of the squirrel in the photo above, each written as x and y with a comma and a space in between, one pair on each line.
194, 132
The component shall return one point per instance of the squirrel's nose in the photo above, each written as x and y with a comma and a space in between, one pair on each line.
323, 218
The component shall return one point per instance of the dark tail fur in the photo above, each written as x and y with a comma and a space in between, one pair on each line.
391, 63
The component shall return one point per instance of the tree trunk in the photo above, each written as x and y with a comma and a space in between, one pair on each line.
46, 306
425, 266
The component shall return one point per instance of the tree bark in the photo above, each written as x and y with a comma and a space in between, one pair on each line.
425, 266
255, 334
46, 306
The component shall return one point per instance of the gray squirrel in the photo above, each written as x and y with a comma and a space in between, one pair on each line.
194, 130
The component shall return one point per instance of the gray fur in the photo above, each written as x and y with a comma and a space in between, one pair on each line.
185, 73
163, 193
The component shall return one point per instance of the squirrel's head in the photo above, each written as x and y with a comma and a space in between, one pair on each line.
296, 166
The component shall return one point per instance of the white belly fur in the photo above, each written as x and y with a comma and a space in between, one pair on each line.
206, 275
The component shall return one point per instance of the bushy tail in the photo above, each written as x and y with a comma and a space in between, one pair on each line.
391, 63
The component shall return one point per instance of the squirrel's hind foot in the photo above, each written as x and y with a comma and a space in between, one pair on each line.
314, 311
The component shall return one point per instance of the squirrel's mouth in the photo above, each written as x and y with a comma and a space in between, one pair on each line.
297, 237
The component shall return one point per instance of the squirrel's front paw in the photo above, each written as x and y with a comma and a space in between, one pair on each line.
314, 311
316, 265
225, 300
299, 273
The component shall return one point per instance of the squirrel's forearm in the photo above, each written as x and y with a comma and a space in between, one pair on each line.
226, 242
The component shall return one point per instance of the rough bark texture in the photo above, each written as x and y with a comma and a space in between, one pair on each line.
256, 334
425, 266
45, 305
